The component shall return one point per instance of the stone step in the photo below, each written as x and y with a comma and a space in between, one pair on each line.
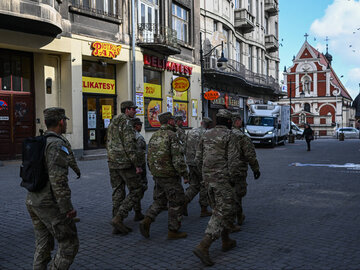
94, 154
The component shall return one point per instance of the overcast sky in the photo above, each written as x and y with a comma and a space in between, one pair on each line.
339, 20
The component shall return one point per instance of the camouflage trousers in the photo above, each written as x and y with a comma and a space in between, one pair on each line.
144, 187
221, 199
196, 186
48, 224
240, 192
168, 190
122, 203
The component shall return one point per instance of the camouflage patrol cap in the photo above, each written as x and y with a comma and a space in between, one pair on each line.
127, 104
54, 113
236, 115
165, 117
179, 117
224, 114
136, 121
207, 120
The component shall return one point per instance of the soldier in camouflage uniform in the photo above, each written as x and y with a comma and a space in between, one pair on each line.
214, 158
196, 184
247, 156
72, 160
124, 165
50, 208
180, 132
167, 165
141, 148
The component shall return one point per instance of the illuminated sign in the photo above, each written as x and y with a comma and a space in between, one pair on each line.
180, 84
98, 85
107, 50
154, 61
211, 95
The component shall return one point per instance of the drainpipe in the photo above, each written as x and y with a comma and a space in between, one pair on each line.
133, 50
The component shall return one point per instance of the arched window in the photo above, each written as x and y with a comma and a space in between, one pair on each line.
307, 107
306, 81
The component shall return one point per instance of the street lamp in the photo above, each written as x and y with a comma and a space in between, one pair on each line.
220, 63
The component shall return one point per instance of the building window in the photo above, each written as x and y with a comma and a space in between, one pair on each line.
237, 4
276, 30
250, 6
15, 72
257, 11
250, 58
152, 98
307, 107
266, 26
258, 53
180, 22
226, 42
215, 26
106, 7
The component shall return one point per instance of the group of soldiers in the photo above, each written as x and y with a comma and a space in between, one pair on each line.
212, 160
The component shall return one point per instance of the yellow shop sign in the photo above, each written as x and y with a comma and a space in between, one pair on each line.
180, 84
98, 85
152, 90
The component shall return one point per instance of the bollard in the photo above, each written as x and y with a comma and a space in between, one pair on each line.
291, 138
341, 136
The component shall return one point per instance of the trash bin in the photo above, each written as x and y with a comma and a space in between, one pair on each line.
341, 136
291, 138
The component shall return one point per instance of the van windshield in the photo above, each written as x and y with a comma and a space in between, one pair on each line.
261, 121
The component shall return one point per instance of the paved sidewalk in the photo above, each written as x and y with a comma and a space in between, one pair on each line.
296, 218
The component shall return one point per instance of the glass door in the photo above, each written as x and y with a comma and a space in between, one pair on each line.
98, 112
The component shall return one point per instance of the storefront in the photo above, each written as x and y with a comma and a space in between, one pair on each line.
99, 101
17, 116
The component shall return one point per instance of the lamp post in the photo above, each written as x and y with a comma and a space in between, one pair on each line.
221, 61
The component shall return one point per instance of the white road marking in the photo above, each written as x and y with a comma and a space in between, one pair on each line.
349, 166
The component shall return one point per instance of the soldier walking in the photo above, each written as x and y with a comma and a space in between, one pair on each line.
124, 166
141, 148
247, 156
196, 183
167, 165
50, 208
180, 132
214, 158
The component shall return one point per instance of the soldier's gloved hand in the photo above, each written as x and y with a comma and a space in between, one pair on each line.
139, 170
71, 214
257, 174
186, 181
78, 175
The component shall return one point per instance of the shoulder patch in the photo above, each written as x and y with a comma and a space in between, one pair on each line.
63, 148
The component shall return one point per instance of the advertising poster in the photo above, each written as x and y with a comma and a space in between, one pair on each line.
140, 103
91, 119
181, 108
169, 104
154, 109
106, 123
183, 96
106, 112
152, 90
194, 110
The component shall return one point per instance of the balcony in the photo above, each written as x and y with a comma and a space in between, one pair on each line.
271, 43
35, 17
158, 38
272, 7
237, 74
244, 21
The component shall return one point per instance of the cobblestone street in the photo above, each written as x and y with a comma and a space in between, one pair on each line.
297, 217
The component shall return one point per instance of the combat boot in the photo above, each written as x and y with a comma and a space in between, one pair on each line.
119, 225
205, 212
202, 250
138, 216
235, 228
145, 226
76, 219
240, 218
227, 243
173, 235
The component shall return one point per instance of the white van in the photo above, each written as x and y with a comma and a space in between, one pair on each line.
298, 132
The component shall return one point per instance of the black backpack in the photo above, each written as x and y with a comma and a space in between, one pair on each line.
33, 169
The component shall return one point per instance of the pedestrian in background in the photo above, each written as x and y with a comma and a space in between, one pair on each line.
124, 166
167, 165
214, 156
246, 156
50, 209
308, 134
196, 184
141, 148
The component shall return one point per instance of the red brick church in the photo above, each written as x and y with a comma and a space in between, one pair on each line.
316, 93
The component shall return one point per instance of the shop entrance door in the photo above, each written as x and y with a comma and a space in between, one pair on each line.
98, 112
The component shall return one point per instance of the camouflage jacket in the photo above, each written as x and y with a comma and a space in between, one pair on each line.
72, 160
121, 144
164, 154
246, 151
141, 148
215, 154
180, 133
192, 143
57, 191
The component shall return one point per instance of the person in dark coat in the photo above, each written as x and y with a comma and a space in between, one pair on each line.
308, 134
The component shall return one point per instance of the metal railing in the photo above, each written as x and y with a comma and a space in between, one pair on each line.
157, 34
95, 11
239, 70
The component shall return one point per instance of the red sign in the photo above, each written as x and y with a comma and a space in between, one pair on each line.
154, 61
211, 95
